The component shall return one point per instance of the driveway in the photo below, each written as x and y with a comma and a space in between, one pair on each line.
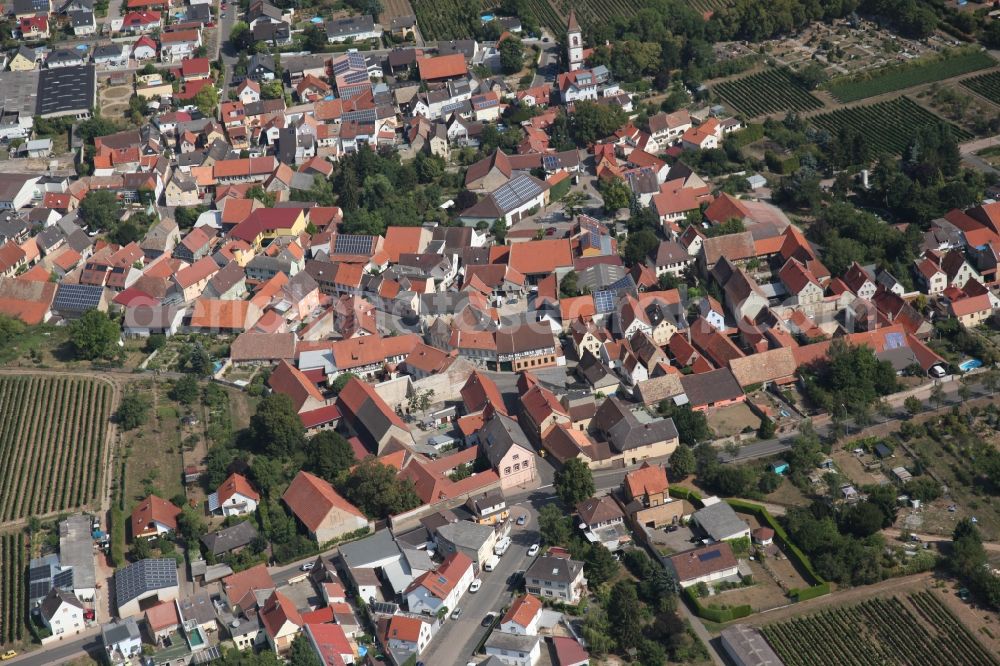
455, 641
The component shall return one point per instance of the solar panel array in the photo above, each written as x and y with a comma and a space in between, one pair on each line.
144, 576
604, 301
550, 162
709, 556
451, 106
352, 244
384, 608
894, 341
515, 193
360, 115
38, 589
63, 580
625, 282
77, 297
356, 77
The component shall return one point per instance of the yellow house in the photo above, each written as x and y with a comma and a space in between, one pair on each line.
23, 60
266, 224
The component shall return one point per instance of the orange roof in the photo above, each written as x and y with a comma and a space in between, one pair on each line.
223, 315
403, 628
356, 393
442, 67
647, 480
153, 510
236, 483
246, 166
240, 585
479, 390
289, 380
369, 349
197, 272
162, 616
402, 240
576, 307
440, 583
312, 499
523, 611
540, 256
176, 36
36, 273
278, 611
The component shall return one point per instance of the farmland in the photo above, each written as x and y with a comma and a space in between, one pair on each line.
987, 85
879, 631
52, 432
886, 126
907, 75
12, 599
770, 91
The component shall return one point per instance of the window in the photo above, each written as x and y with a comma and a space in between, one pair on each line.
517, 456
517, 466
506, 470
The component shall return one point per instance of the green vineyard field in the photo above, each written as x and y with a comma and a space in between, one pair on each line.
987, 85
52, 432
12, 588
888, 632
886, 126
770, 91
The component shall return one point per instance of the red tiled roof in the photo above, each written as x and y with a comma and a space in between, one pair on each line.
523, 611
647, 480
152, 510
239, 585
289, 380
236, 483
277, 611
442, 67
312, 499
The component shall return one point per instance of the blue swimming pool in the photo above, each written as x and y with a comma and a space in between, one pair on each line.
486, 18
316, 19
971, 364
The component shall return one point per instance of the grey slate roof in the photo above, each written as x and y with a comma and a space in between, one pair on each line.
625, 430
554, 569
230, 538
465, 534
116, 632
363, 553
719, 521
498, 435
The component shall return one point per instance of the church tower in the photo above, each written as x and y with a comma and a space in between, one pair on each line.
574, 43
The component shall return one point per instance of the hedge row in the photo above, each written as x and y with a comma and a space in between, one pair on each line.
819, 585
685, 494
719, 615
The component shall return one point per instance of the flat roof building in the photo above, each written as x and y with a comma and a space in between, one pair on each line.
67, 91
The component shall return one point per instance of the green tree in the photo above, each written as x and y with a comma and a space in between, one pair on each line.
599, 565
302, 653
99, 210
241, 37
767, 428
615, 195
329, 455
913, 405
275, 427
185, 390
639, 246
10, 329
94, 336
625, 615
315, 38
567, 286
499, 231
574, 482
591, 121
206, 100
862, 520
573, 202
268, 474
341, 381
376, 490
682, 463
191, 525
692, 427
511, 55
554, 525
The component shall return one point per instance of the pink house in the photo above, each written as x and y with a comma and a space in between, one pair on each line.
506, 446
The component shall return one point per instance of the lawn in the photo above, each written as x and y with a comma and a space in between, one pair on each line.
914, 73
732, 419
154, 449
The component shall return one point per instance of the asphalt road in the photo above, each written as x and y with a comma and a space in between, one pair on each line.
55, 654
456, 640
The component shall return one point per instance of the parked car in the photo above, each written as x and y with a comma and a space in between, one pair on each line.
488, 620
672, 528
533, 550
9, 654
476, 584
522, 519
457, 613
307, 566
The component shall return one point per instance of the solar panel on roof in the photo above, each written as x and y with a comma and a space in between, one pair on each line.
894, 341
39, 589
550, 162
77, 297
709, 556
604, 301
384, 608
63, 579
351, 244
356, 77
356, 60
39, 573
625, 282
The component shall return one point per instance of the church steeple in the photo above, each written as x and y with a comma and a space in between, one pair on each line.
574, 42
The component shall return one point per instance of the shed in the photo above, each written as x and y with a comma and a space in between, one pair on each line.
756, 181
778, 467
883, 450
